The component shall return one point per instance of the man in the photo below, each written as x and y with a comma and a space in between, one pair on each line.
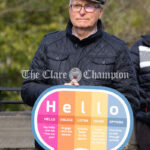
140, 53
82, 48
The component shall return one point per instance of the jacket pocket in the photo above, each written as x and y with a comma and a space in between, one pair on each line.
58, 56
57, 61
98, 70
103, 60
101, 64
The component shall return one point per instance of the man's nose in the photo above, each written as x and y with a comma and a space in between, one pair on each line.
82, 11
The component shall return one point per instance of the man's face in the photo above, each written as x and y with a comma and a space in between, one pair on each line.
83, 19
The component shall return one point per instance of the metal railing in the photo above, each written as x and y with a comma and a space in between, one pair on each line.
15, 126
2, 101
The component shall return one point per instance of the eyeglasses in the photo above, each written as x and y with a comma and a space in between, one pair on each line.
88, 8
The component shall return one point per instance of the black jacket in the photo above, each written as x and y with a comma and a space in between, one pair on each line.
140, 54
101, 52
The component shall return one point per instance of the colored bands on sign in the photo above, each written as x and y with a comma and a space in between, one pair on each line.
82, 118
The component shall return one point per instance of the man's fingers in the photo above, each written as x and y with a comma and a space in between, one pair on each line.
76, 83
72, 83
68, 83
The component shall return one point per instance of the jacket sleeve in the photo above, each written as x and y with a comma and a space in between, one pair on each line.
134, 52
35, 83
127, 85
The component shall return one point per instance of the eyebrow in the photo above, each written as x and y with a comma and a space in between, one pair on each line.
77, 2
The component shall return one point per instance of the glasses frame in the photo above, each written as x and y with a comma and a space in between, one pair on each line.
81, 6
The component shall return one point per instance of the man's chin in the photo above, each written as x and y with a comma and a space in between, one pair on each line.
82, 26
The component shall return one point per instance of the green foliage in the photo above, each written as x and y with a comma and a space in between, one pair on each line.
23, 23
127, 19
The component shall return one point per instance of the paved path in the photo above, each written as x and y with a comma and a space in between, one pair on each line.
15, 130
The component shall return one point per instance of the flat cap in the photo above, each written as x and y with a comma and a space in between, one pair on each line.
99, 1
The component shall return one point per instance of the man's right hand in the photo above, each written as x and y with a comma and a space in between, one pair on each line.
72, 83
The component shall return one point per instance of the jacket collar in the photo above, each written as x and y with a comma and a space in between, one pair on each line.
87, 40
146, 39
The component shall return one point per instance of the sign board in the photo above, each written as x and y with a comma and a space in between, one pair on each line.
82, 118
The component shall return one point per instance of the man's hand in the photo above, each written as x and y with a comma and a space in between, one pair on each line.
73, 82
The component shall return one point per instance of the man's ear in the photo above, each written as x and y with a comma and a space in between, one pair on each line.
69, 7
101, 13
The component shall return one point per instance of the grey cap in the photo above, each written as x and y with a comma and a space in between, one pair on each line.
100, 1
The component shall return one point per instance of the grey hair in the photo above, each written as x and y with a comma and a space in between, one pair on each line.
70, 2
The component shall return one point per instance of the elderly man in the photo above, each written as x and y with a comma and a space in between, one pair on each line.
83, 54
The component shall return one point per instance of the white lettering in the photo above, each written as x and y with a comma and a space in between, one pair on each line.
98, 108
83, 107
51, 106
67, 108
114, 110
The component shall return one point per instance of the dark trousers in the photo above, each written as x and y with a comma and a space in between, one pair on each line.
132, 144
143, 135
37, 146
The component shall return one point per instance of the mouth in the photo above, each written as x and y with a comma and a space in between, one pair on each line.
82, 19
